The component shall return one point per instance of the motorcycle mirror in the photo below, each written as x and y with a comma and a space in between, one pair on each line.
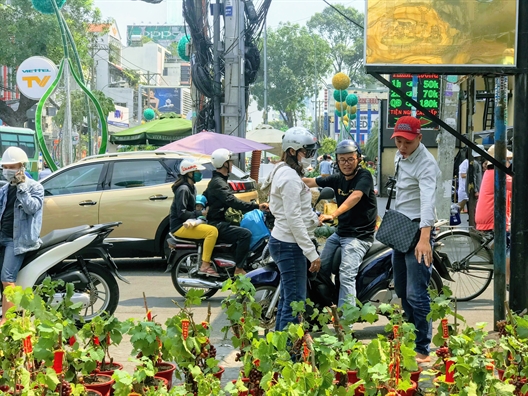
326, 193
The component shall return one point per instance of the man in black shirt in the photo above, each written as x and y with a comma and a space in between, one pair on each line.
356, 212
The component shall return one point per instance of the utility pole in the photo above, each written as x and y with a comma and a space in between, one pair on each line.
234, 107
217, 87
265, 70
446, 148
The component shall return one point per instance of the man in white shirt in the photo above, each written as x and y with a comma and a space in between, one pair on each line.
415, 197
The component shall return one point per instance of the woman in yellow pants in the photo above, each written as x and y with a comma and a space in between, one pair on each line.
185, 220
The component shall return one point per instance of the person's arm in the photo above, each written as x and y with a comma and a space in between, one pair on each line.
32, 198
181, 197
463, 169
290, 192
427, 182
226, 195
310, 182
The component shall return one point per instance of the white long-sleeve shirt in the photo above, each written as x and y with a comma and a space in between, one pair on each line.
416, 185
291, 204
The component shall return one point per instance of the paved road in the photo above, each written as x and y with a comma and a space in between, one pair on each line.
148, 276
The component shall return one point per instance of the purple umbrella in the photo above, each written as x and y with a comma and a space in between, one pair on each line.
207, 142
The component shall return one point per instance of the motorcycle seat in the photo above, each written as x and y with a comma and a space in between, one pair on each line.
173, 240
375, 248
58, 236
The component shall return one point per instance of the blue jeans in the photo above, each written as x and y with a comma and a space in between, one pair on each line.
411, 282
352, 252
9, 261
294, 277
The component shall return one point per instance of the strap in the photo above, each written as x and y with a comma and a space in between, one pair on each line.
393, 184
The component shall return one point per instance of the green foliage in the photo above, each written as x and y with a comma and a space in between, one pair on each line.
297, 60
345, 40
371, 147
328, 146
142, 147
279, 124
22, 36
142, 381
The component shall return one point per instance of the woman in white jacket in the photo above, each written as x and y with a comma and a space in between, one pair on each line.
295, 221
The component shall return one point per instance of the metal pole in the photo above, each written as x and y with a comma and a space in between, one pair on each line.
315, 89
499, 255
241, 80
265, 71
217, 76
519, 227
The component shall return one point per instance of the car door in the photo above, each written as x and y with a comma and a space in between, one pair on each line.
72, 197
139, 195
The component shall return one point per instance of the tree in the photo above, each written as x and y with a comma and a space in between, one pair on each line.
279, 124
345, 39
296, 61
371, 147
25, 32
328, 146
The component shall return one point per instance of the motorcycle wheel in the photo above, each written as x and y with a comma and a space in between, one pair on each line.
263, 296
183, 268
103, 291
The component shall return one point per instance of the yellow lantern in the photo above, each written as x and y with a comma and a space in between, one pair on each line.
341, 81
352, 109
340, 106
345, 118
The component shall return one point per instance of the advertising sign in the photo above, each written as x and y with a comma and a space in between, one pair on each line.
441, 33
162, 99
35, 75
162, 35
428, 95
119, 117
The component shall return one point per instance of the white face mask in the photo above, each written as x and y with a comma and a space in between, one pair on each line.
9, 174
306, 162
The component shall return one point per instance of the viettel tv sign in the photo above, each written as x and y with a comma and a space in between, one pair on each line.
35, 75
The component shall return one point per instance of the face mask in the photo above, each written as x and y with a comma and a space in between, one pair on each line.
197, 176
306, 162
9, 174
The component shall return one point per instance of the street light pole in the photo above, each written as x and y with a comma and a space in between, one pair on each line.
265, 71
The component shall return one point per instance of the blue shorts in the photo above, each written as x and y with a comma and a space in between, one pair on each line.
9, 261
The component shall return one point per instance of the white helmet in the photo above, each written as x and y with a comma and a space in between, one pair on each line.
189, 165
298, 138
14, 155
220, 156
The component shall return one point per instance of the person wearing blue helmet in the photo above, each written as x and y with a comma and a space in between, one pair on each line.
201, 202
356, 212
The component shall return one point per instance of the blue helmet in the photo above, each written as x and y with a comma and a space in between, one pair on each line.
201, 200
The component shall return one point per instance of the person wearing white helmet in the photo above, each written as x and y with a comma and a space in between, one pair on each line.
183, 208
295, 222
220, 197
20, 217
357, 211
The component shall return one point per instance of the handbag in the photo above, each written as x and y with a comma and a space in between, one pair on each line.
233, 216
397, 230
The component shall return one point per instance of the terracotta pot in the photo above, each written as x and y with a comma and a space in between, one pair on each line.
244, 393
166, 371
104, 386
115, 366
411, 391
92, 392
219, 373
415, 375
164, 381
352, 377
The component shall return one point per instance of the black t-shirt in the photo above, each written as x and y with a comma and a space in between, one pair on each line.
360, 221
8, 217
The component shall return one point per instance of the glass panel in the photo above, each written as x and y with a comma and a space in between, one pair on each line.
128, 174
81, 179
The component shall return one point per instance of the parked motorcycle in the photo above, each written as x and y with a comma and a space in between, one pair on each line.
63, 255
184, 268
374, 281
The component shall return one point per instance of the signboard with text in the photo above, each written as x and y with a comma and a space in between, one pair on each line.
163, 35
428, 95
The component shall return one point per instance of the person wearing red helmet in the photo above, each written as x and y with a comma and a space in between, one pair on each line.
416, 176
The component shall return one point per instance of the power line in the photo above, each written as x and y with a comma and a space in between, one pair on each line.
344, 16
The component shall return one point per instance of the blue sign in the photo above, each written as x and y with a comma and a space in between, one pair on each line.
229, 11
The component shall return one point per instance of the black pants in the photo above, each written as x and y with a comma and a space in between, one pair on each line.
239, 237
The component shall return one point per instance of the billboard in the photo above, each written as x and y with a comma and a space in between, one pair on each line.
119, 117
163, 35
427, 94
162, 99
443, 33
35, 75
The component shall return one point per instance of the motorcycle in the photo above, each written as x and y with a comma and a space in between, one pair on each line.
374, 281
95, 285
184, 268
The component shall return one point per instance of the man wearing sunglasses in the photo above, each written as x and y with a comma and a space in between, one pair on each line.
356, 212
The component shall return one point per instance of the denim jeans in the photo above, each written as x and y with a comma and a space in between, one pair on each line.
294, 277
10, 262
411, 282
352, 252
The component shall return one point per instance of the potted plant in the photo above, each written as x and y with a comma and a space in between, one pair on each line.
142, 382
187, 342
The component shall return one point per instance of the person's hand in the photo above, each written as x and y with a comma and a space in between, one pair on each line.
315, 265
264, 207
325, 217
476, 194
205, 211
20, 177
423, 251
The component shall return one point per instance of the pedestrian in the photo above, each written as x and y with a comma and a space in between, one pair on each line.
356, 212
220, 198
461, 191
485, 211
45, 172
185, 219
291, 243
473, 182
325, 167
21, 202
416, 176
